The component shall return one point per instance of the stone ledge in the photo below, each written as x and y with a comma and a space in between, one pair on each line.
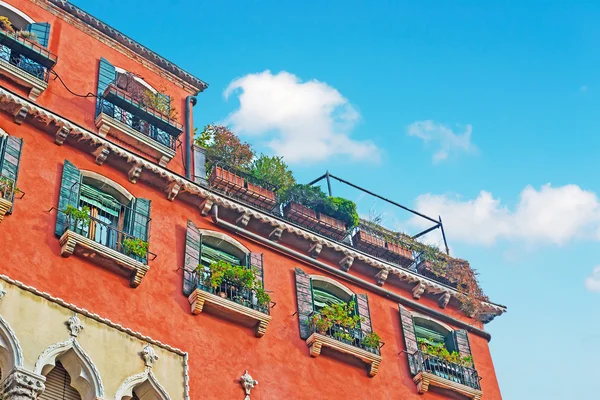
199, 298
110, 126
5, 205
316, 341
95, 251
424, 380
36, 86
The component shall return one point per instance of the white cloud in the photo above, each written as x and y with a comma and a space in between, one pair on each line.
443, 137
302, 121
549, 215
592, 282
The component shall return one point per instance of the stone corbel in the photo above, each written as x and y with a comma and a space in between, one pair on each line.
444, 299
20, 115
173, 190
243, 220
382, 276
21, 384
315, 250
101, 154
61, 135
418, 290
135, 172
346, 263
275, 235
206, 206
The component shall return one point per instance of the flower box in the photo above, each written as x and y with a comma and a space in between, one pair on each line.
398, 253
260, 196
331, 226
226, 180
368, 242
425, 268
300, 214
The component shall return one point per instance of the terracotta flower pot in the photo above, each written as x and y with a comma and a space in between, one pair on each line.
332, 227
226, 180
260, 196
368, 242
300, 214
398, 254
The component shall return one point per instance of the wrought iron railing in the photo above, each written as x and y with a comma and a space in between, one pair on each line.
24, 63
140, 124
228, 290
444, 369
352, 336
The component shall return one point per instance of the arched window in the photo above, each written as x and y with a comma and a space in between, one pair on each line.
116, 217
58, 385
327, 292
433, 333
143, 386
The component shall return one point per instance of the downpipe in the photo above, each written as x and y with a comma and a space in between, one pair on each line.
346, 276
190, 101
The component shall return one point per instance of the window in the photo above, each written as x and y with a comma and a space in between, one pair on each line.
58, 385
10, 155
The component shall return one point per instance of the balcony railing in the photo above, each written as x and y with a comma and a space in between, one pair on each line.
354, 337
446, 370
231, 292
28, 49
24, 63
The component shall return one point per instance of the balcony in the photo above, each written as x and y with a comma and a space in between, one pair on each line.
346, 341
232, 301
120, 115
25, 62
104, 244
435, 371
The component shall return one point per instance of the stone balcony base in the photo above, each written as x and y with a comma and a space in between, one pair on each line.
199, 298
5, 205
316, 341
74, 243
110, 126
424, 380
35, 85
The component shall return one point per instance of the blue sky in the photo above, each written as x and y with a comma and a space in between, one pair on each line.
429, 103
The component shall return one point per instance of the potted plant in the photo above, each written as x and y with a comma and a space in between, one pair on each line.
299, 201
259, 195
78, 216
399, 251
223, 179
372, 341
29, 36
6, 187
368, 242
136, 247
6, 25
336, 216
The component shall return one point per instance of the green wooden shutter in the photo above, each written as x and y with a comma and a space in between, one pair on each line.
362, 306
305, 302
461, 340
10, 157
70, 187
141, 219
106, 75
256, 262
42, 32
193, 250
410, 339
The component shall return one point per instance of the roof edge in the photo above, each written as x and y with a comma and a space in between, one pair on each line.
131, 44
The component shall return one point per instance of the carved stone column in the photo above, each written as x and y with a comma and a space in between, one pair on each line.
21, 384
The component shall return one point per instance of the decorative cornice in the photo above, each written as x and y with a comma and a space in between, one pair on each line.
73, 14
81, 134
90, 315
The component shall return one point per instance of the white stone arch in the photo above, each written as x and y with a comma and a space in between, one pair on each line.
11, 354
17, 17
107, 185
422, 317
145, 385
332, 286
138, 79
224, 242
82, 371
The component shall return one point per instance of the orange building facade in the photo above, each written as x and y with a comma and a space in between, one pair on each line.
78, 304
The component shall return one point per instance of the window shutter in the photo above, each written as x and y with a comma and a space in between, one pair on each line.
70, 187
305, 302
106, 75
461, 339
10, 156
58, 385
256, 262
410, 339
42, 32
362, 304
193, 250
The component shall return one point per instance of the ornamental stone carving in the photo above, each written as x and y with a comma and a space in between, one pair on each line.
22, 385
75, 325
248, 384
149, 356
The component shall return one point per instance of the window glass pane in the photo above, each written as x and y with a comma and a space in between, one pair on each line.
323, 298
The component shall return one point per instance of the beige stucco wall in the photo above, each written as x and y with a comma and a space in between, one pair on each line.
39, 323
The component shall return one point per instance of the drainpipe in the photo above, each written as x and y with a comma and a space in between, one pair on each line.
190, 101
346, 276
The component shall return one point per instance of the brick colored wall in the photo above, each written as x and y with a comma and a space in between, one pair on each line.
219, 350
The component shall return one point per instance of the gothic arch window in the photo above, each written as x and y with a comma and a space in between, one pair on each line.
58, 385
143, 386
11, 354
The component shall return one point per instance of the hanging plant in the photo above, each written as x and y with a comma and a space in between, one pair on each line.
78, 216
372, 340
136, 246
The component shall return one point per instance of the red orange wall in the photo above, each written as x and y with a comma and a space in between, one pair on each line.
219, 351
